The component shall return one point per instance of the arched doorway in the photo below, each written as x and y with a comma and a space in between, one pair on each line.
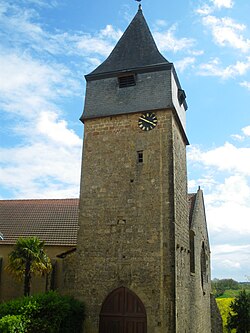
123, 312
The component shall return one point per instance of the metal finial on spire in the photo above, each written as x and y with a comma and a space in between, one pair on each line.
139, 4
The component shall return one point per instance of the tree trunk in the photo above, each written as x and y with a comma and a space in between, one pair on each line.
27, 279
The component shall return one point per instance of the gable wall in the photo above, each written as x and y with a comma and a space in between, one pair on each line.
200, 293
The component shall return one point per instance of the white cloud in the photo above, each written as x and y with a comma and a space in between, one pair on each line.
49, 163
166, 40
230, 249
34, 170
181, 65
196, 52
94, 45
46, 160
30, 86
110, 32
214, 68
23, 73
230, 263
237, 137
56, 130
246, 130
206, 9
161, 23
227, 32
245, 84
20, 23
225, 158
42, 3
225, 180
232, 259
227, 216
223, 3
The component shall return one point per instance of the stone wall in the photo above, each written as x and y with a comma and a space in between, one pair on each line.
181, 227
134, 224
216, 320
126, 235
200, 284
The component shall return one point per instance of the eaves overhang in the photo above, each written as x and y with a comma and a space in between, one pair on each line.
136, 70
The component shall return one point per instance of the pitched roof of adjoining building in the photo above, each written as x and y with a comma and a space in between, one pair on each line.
54, 221
135, 49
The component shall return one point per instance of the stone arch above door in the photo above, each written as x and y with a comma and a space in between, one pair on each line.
123, 312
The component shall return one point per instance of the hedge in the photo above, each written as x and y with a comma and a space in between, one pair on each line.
43, 313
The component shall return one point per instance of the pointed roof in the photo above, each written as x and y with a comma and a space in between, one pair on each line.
135, 49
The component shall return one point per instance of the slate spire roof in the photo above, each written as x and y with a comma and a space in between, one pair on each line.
135, 49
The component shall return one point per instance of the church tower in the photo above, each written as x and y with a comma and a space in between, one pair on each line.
133, 252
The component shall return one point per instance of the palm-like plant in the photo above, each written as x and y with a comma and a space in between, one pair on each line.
28, 257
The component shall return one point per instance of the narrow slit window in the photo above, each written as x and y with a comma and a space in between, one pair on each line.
192, 251
140, 156
126, 81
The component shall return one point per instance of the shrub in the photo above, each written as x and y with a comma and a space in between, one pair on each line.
45, 313
74, 315
12, 324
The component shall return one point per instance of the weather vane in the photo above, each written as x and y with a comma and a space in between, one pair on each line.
139, 4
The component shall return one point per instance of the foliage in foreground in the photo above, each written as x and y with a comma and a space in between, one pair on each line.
239, 315
43, 313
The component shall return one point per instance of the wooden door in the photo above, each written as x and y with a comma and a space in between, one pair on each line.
123, 312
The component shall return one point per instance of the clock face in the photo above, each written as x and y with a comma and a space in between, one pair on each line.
147, 121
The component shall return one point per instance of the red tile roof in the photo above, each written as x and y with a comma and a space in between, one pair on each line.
54, 221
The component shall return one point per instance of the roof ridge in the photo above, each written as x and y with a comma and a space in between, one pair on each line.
22, 200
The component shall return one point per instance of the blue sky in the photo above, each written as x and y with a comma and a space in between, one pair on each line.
46, 48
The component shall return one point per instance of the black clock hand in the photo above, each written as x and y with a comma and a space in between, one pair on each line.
148, 121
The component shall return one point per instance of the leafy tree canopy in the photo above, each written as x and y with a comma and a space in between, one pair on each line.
239, 315
219, 286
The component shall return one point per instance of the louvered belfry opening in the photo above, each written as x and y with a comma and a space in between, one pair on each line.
126, 81
123, 312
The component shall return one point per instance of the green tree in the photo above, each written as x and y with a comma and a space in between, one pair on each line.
220, 286
239, 316
28, 257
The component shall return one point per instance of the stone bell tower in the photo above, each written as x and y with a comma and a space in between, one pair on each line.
133, 201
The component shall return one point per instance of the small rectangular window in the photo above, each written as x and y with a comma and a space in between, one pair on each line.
126, 81
140, 156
